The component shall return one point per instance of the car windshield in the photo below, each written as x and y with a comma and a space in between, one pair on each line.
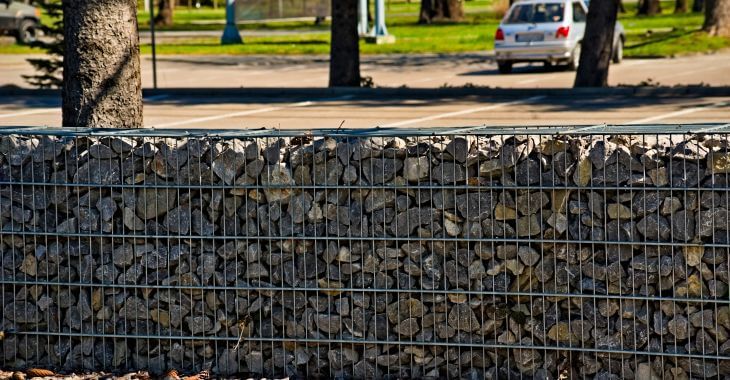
536, 13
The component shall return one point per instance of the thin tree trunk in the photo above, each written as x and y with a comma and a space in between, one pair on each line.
164, 13
344, 46
621, 7
101, 79
649, 7
698, 6
597, 46
451, 10
425, 16
717, 18
680, 6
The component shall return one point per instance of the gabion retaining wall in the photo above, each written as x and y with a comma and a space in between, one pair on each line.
474, 253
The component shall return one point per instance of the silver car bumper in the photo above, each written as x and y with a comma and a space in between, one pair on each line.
536, 52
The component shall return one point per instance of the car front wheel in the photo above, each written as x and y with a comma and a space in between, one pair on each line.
574, 59
618, 52
27, 32
505, 67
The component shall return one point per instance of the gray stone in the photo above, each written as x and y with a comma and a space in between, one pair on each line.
462, 317
416, 168
448, 173
531, 203
178, 220
475, 206
683, 226
527, 172
380, 170
279, 177
654, 227
154, 202
228, 164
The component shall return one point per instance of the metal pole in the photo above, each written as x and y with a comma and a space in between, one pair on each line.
380, 30
154, 52
379, 34
230, 33
362, 25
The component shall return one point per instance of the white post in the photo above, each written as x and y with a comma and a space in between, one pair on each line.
380, 29
362, 25
230, 33
380, 32
146, 5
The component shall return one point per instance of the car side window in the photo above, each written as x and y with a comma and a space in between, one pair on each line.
579, 15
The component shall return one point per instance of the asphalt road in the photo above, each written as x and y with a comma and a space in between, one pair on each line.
292, 109
414, 71
370, 110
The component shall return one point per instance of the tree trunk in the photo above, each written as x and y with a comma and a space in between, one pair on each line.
649, 7
717, 17
680, 6
621, 7
597, 46
101, 79
344, 46
164, 13
698, 6
425, 16
451, 10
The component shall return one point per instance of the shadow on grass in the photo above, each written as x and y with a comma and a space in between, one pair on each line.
666, 37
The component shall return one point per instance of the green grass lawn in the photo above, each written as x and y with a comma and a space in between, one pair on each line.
663, 35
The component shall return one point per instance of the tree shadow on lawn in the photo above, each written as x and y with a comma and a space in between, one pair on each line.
668, 36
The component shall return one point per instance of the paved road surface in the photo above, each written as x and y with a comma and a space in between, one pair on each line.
422, 71
169, 111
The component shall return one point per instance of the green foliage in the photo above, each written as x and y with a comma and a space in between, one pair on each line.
50, 70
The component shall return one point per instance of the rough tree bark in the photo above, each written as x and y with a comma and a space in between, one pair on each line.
344, 46
164, 13
101, 79
649, 7
680, 6
717, 17
597, 46
452, 10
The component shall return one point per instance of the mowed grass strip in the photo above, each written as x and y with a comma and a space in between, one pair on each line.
664, 35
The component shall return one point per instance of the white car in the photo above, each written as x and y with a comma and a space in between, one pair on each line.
549, 31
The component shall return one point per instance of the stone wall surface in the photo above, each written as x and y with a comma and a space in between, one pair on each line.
522, 256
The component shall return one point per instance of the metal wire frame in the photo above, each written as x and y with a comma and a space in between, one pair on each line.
257, 338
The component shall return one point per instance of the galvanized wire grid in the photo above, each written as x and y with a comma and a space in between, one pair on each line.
479, 253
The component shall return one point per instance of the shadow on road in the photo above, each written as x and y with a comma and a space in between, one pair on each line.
538, 68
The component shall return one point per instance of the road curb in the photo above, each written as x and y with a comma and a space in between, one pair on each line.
404, 92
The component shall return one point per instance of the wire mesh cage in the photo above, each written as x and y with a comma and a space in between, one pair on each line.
592, 251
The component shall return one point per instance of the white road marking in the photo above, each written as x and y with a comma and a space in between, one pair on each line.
631, 63
679, 113
245, 113
31, 112
462, 112
533, 80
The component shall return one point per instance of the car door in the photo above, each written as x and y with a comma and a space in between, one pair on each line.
7, 15
579, 19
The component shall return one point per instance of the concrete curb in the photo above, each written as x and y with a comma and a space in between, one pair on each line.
403, 92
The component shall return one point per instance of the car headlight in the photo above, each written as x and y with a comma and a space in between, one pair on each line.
38, 13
